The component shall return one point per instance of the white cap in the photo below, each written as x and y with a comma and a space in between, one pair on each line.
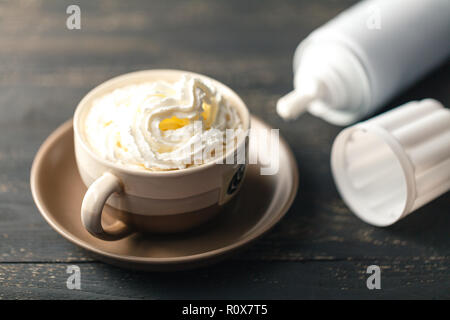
390, 165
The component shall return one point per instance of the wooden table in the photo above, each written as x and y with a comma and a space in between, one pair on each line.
319, 250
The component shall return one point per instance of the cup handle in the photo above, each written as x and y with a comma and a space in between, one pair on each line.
92, 208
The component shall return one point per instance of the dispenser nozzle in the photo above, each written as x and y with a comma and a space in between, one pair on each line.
293, 104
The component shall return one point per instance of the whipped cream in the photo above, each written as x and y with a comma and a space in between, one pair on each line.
162, 126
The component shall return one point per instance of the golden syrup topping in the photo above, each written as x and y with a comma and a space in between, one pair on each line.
209, 114
173, 123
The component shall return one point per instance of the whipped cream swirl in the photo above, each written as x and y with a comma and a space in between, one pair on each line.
162, 126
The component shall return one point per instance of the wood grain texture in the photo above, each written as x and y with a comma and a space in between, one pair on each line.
229, 280
319, 250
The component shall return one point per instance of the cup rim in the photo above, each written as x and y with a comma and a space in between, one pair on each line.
242, 109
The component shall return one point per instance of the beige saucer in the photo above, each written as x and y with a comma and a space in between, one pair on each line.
263, 200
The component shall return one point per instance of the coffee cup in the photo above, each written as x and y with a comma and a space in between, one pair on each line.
154, 201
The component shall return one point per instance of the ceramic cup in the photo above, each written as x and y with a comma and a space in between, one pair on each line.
163, 201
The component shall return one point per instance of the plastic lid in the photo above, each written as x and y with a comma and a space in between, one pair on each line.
390, 165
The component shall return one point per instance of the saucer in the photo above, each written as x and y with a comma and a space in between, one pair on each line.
262, 201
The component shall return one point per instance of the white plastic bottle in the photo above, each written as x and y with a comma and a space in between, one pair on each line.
356, 62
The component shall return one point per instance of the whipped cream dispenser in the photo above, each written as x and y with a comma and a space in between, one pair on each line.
356, 62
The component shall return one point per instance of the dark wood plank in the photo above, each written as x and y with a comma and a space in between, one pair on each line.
232, 280
46, 69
